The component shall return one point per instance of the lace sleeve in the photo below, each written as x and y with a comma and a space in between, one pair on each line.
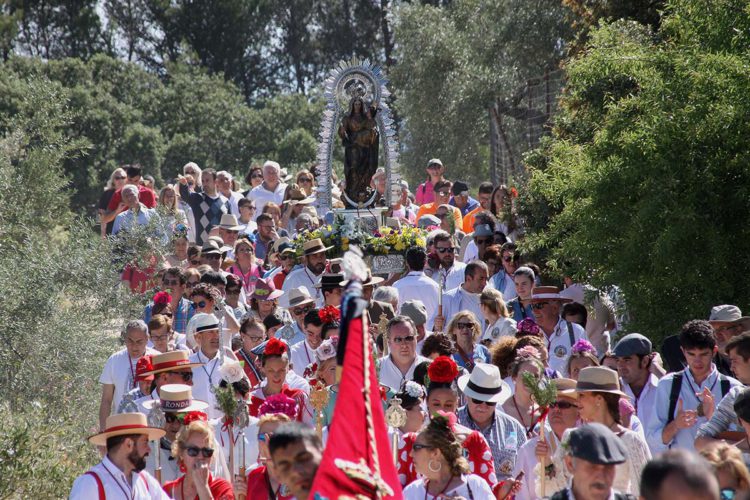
639, 454
556, 474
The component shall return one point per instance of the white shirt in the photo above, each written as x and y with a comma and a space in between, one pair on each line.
170, 470
503, 327
645, 404
234, 198
302, 355
116, 486
559, 345
457, 300
303, 277
262, 196
418, 286
454, 278
392, 377
205, 377
250, 445
119, 370
478, 486
471, 252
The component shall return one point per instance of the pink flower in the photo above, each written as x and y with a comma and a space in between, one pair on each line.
584, 346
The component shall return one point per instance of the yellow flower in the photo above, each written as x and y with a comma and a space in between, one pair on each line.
399, 246
420, 241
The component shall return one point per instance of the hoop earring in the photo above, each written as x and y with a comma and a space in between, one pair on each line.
429, 466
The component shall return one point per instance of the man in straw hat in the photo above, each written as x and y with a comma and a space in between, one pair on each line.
560, 334
314, 265
229, 230
298, 303
485, 390
727, 322
592, 452
172, 367
683, 397
563, 415
120, 474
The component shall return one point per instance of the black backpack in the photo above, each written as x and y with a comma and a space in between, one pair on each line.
674, 393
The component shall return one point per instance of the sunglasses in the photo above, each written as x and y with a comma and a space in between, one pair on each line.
265, 437
186, 376
401, 340
539, 305
464, 326
171, 418
191, 284
167, 282
256, 176
444, 193
508, 259
301, 310
446, 250
562, 405
483, 241
199, 305
305, 180
193, 451
420, 446
479, 402
120, 178
212, 256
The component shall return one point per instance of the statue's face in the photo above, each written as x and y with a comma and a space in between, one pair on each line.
357, 106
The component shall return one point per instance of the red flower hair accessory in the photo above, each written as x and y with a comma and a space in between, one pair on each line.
451, 418
194, 416
279, 404
329, 314
443, 370
162, 299
275, 347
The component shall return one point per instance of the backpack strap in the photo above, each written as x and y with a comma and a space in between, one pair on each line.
99, 484
674, 395
571, 334
724, 382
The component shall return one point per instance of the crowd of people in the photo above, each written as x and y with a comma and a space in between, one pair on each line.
510, 387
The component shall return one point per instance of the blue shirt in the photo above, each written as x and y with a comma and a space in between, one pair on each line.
505, 436
181, 314
685, 438
518, 312
470, 205
480, 355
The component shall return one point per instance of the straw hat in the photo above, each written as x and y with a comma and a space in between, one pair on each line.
370, 281
171, 361
566, 387
201, 322
726, 314
599, 379
315, 245
299, 296
126, 423
548, 294
485, 384
177, 398
229, 222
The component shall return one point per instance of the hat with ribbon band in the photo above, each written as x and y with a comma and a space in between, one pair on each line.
176, 398
126, 423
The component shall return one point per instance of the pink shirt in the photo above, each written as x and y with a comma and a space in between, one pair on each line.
425, 193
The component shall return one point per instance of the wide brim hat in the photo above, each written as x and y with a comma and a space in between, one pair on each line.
370, 281
126, 423
599, 379
265, 289
176, 398
171, 361
281, 245
547, 294
485, 384
726, 315
298, 296
314, 246
220, 243
566, 387
229, 222
330, 279
201, 322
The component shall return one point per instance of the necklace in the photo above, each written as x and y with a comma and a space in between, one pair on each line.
445, 488
312, 282
208, 374
124, 491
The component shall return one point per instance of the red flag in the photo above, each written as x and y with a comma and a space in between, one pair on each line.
358, 460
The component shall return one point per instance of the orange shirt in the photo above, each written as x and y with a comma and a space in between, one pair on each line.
431, 209
469, 220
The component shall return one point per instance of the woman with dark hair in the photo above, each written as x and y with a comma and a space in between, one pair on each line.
438, 458
252, 334
246, 266
599, 394
233, 291
254, 178
501, 207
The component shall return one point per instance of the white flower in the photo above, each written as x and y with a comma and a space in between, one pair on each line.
231, 371
326, 350
413, 389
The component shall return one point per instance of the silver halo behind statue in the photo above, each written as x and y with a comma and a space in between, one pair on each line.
350, 79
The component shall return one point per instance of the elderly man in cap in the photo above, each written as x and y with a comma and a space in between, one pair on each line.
560, 334
461, 199
563, 415
135, 213
636, 366
270, 190
121, 473
298, 303
727, 322
208, 206
119, 374
229, 230
723, 424
416, 310
307, 276
485, 392
592, 453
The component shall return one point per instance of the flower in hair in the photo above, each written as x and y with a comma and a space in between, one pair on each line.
279, 404
450, 418
528, 326
327, 349
162, 299
529, 351
443, 370
329, 314
584, 346
413, 389
231, 371
194, 416
275, 347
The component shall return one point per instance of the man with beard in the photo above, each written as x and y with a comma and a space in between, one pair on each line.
308, 275
296, 453
120, 474
451, 271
